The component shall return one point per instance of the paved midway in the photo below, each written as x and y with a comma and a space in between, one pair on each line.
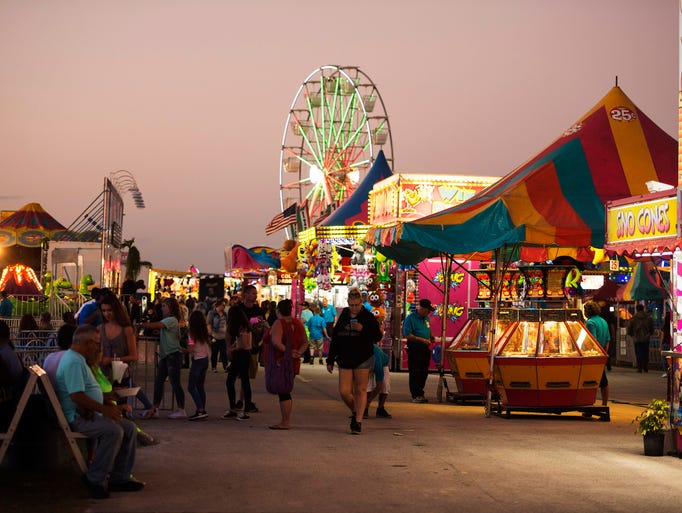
429, 458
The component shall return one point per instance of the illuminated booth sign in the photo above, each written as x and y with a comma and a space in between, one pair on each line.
644, 224
405, 197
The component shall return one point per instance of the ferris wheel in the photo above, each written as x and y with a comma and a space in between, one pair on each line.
335, 128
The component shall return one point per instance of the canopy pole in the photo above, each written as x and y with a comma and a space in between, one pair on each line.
447, 267
492, 339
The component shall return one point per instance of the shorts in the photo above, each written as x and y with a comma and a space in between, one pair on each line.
384, 386
316, 345
367, 364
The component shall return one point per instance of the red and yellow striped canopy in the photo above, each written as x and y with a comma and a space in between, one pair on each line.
28, 226
556, 199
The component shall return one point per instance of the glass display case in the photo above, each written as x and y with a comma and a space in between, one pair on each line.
548, 358
469, 353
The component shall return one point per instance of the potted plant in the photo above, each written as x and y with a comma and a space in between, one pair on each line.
651, 424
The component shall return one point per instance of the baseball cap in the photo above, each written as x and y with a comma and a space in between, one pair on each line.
426, 303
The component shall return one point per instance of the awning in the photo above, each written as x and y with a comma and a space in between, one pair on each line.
557, 199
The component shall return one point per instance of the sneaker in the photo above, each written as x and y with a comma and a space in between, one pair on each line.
383, 414
251, 408
198, 416
355, 427
321, 361
145, 439
131, 485
242, 416
420, 400
365, 415
229, 414
149, 414
97, 491
178, 414
239, 405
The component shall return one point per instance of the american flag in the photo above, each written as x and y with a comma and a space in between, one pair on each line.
282, 220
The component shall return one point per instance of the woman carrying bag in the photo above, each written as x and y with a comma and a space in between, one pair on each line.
285, 342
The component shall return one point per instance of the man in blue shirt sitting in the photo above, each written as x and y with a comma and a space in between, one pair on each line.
86, 411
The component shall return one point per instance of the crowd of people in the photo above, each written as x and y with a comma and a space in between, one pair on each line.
242, 336
102, 335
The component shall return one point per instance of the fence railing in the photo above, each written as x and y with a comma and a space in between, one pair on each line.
55, 304
33, 347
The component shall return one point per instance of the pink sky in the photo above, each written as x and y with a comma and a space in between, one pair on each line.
192, 96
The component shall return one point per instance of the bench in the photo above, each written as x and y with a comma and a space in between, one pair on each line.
38, 376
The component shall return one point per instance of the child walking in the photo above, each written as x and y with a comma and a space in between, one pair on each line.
199, 348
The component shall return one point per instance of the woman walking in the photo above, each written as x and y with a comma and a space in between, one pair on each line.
170, 358
239, 335
351, 348
285, 330
199, 348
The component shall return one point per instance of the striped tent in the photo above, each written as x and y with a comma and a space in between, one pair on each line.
645, 283
28, 226
552, 202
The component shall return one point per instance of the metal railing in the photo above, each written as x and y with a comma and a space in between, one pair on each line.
33, 347
56, 304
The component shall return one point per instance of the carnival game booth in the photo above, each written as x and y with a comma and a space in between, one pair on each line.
263, 267
332, 255
469, 353
551, 206
648, 228
405, 197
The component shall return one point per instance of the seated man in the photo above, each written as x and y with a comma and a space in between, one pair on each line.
82, 400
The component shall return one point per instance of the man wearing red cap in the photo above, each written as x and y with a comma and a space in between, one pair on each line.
417, 331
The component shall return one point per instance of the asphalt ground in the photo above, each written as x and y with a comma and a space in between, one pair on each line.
428, 458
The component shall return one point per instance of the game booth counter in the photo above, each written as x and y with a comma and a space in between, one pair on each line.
183, 284
647, 228
551, 206
403, 197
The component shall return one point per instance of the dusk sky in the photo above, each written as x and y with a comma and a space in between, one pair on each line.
192, 96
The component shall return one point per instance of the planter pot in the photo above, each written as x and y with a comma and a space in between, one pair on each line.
654, 444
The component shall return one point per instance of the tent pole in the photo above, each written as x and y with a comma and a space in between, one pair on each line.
443, 325
492, 339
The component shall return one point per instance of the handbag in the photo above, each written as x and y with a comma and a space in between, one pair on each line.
244, 340
279, 374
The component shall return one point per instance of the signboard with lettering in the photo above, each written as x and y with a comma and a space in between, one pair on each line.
405, 197
642, 221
